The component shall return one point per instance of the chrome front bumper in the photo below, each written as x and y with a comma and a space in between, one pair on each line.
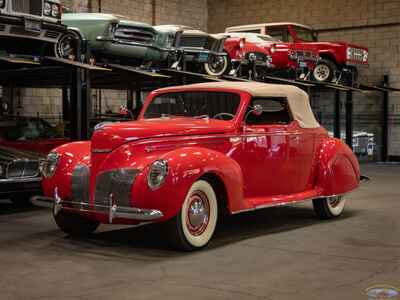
113, 211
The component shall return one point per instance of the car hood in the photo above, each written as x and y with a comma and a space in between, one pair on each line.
109, 136
326, 45
9, 154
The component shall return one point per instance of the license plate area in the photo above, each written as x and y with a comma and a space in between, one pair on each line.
33, 25
303, 64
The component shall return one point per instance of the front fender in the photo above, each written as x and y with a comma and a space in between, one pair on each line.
70, 155
338, 168
186, 165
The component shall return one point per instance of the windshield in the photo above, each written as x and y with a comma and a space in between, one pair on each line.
305, 34
217, 105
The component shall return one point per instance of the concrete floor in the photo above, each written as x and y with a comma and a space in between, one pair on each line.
280, 253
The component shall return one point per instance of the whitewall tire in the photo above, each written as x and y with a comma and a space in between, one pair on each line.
217, 66
193, 227
330, 207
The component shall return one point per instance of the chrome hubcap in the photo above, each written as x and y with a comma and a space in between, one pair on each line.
66, 46
334, 201
217, 63
321, 72
198, 213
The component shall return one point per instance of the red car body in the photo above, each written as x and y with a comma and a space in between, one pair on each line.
250, 166
283, 55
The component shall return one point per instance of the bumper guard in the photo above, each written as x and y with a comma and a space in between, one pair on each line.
114, 211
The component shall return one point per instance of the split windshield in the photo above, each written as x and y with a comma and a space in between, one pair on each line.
217, 105
305, 34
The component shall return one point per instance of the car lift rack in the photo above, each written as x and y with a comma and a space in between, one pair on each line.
77, 79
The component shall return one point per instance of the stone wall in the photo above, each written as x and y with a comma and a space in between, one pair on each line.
381, 36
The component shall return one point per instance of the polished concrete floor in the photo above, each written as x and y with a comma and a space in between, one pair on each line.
280, 253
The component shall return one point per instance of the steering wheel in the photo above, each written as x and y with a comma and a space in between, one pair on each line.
222, 114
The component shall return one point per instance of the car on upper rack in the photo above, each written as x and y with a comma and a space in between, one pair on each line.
30, 27
197, 151
19, 175
255, 55
30, 133
113, 38
339, 60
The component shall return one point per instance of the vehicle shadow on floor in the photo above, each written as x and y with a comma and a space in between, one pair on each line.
7, 207
230, 229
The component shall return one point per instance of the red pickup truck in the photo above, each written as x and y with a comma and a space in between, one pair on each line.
339, 60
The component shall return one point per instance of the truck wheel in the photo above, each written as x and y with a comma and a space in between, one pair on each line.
193, 227
325, 71
217, 65
67, 45
74, 224
330, 207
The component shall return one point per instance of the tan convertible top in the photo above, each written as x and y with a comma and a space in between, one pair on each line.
298, 101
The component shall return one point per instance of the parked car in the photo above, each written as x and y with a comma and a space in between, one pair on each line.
195, 151
363, 142
30, 27
111, 38
19, 175
263, 55
339, 60
30, 133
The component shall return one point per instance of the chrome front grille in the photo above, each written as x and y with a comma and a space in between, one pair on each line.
134, 35
30, 7
23, 169
80, 184
115, 186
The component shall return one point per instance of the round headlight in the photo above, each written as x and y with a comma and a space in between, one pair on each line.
55, 10
49, 165
157, 174
47, 9
2, 2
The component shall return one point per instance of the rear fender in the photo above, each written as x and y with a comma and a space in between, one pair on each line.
338, 170
186, 165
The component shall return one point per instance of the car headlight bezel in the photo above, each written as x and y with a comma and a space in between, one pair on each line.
49, 166
47, 9
55, 10
157, 174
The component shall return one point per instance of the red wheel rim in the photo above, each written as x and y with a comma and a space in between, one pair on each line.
198, 213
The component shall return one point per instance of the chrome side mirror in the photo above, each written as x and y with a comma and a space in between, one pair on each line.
257, 110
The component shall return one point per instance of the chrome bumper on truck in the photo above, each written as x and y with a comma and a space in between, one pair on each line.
113, 211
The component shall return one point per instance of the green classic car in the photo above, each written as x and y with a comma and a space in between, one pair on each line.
113, 38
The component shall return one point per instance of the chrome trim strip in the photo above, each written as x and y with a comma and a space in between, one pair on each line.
132, 213
21, 179
269, 205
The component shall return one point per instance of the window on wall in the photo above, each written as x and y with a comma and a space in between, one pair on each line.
275, 111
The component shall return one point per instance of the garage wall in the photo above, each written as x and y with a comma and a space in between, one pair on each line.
379, 31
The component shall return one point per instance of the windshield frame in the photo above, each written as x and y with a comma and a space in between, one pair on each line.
243, 102
295, 29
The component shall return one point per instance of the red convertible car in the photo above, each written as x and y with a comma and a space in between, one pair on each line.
258, 55
339, 60
196, 151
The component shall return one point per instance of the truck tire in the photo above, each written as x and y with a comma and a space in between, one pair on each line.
194, 225
74, 224
325, 71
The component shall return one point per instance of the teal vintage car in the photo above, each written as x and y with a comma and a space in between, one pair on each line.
113, 38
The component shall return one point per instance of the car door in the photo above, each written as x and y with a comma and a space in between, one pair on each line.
267, 150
